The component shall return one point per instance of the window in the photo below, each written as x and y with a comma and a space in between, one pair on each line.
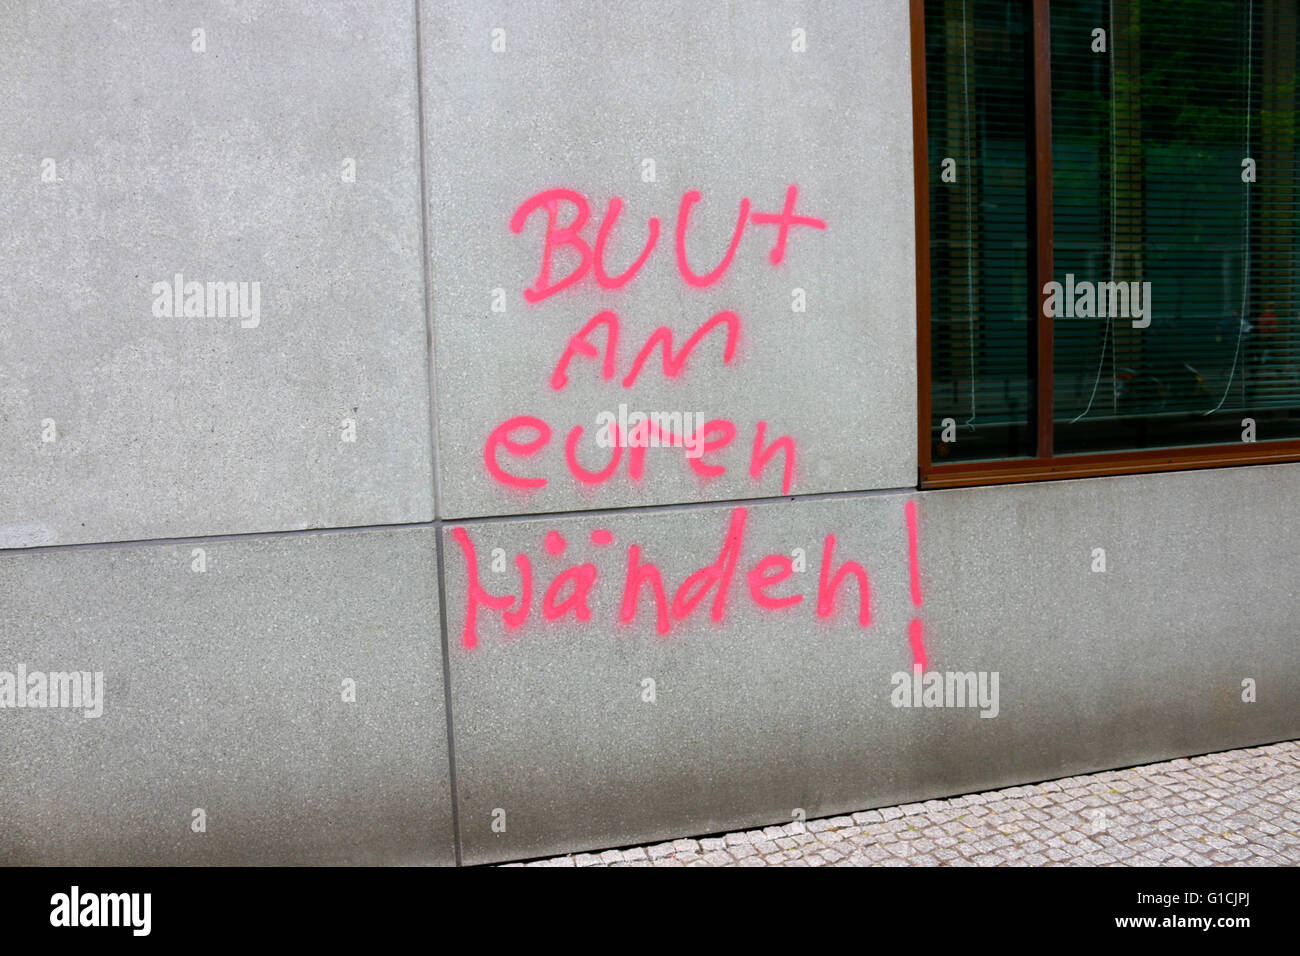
1109, 236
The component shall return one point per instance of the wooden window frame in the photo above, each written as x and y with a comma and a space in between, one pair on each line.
1044, 465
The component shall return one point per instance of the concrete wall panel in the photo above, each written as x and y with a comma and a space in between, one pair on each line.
224, 691
773, 710
522, 98
225, 165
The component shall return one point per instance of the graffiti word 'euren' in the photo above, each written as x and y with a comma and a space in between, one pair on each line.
525, 435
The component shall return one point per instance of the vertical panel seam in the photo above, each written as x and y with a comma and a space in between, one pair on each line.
425, 247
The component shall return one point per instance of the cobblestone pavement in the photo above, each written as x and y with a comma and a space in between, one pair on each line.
1240, 807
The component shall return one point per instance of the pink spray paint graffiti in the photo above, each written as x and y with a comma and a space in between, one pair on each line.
843, 585
567, 213
914, 631
589, 259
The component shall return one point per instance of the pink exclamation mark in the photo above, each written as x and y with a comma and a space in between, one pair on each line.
914, 570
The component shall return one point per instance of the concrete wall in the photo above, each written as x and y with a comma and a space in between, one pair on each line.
338, 617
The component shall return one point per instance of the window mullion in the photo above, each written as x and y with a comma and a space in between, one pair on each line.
1042, 126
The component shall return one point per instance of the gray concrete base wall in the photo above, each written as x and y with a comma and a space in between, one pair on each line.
773, 712
225, 690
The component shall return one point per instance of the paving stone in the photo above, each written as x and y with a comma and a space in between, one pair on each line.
1163, 815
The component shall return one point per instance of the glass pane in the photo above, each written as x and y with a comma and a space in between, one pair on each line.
1174, 166
982, 302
